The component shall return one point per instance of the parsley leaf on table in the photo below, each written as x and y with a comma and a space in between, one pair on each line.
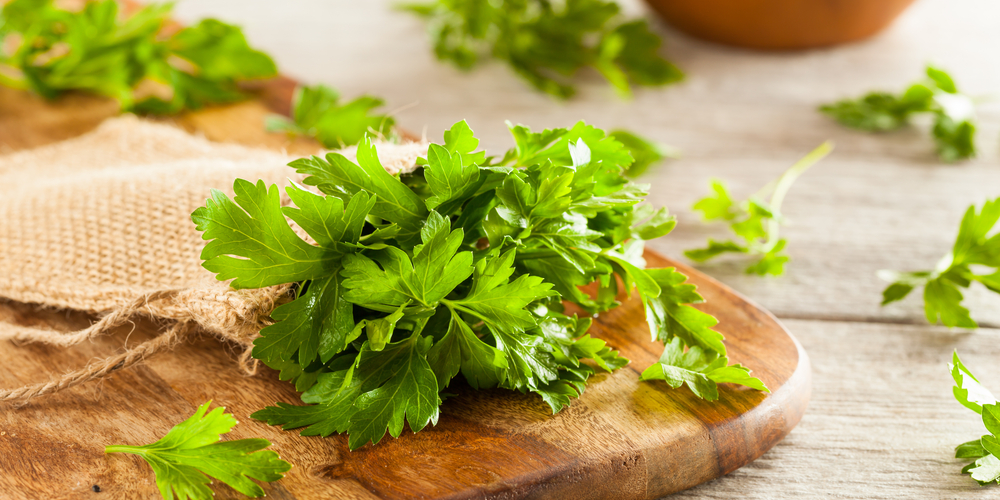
191, 451
128, 59
547, 43
954, 114
977, 244
459, 267
755, 221
986, 467
317, 113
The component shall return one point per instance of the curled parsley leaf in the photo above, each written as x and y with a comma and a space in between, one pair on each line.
977, 244
547, 43
317, 113
954, 113
985, 450
755, 221
97, 50
459, 267
191, 451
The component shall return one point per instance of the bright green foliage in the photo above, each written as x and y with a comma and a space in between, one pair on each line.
954, 117
985, 450
191, 451
317, 113
701, 370
977, 244
98, 51
645, 152
459, 267
547, 43
756, 222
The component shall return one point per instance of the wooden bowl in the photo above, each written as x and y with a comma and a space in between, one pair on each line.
780, 24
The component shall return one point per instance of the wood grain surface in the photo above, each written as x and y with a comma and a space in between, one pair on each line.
623, 439
882, 422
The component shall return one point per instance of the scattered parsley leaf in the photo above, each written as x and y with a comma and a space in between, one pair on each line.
459, 267
754, 221
968, 392
317, 113
977, 244
546, 43
191, 451
954, 114
702, 371
128, 59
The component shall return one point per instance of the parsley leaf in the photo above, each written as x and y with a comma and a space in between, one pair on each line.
95, 50
972, 395
460, 267
191, 451
702, 371
755, 221
954, 115
977, 244
317, 113
546, 43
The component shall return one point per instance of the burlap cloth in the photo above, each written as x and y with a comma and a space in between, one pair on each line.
101, 223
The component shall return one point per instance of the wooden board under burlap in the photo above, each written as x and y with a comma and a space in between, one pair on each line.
622, 439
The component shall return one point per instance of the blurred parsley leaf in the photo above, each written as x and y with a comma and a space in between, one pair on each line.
191, 450
954, 114
129, 59
754, 221
977, 244
547, 43
317, 113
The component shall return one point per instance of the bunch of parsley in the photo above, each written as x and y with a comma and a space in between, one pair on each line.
954, 127
462, 266
548, 42
974, 257
755, 221
98, 51
985, 450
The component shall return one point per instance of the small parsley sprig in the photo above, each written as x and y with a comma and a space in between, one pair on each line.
317, 113
191, 451
459, 267
546, 42
755, 221
985, 450
954, 127
977, 244
96, 50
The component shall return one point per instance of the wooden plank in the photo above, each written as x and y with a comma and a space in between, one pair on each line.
623, 438
882, 423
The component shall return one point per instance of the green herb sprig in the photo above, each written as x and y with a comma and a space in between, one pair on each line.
954, 127
547, 43
755, 221
317, 113
191, 451
461, 266
977, 244
985, 450
99, 51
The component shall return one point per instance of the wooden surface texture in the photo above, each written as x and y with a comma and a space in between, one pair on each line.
882, 422
623, 439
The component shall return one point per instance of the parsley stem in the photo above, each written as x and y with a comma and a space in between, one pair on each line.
782, 185
534, 254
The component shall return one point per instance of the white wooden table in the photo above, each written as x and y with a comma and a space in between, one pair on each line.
882, 422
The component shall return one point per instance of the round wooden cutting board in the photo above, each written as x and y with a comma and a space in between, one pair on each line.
623, 439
